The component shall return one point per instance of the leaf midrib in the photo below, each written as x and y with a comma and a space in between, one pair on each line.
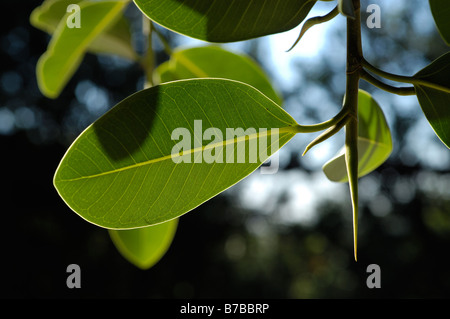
282, 130
376, 143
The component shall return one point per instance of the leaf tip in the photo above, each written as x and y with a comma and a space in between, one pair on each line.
306, 150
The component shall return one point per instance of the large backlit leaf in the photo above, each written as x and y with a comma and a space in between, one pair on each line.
374, 141
115, 40
68, 45
434, 96
144, 247
441, 14
127, 170
213, 61
226, 20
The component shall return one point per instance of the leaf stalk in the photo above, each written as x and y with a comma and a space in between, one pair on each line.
148, 60
162, 38
402, 78
313, 128
386, 87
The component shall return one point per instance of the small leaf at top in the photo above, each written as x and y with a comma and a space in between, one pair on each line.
68, 45
374, 141
226, 20
441, 14
144, 247
115, 40
433, 93
165, 150
213, 61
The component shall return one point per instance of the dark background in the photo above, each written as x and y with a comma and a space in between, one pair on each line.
41, 236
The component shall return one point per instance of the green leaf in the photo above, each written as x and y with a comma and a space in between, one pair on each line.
163, 73
146, 161
374, 141
346, 8
213, 61
433, 93
69, 45
441, 13
115, 40
226, 20
49, 14
144, 247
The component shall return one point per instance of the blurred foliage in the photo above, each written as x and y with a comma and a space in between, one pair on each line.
223, 249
